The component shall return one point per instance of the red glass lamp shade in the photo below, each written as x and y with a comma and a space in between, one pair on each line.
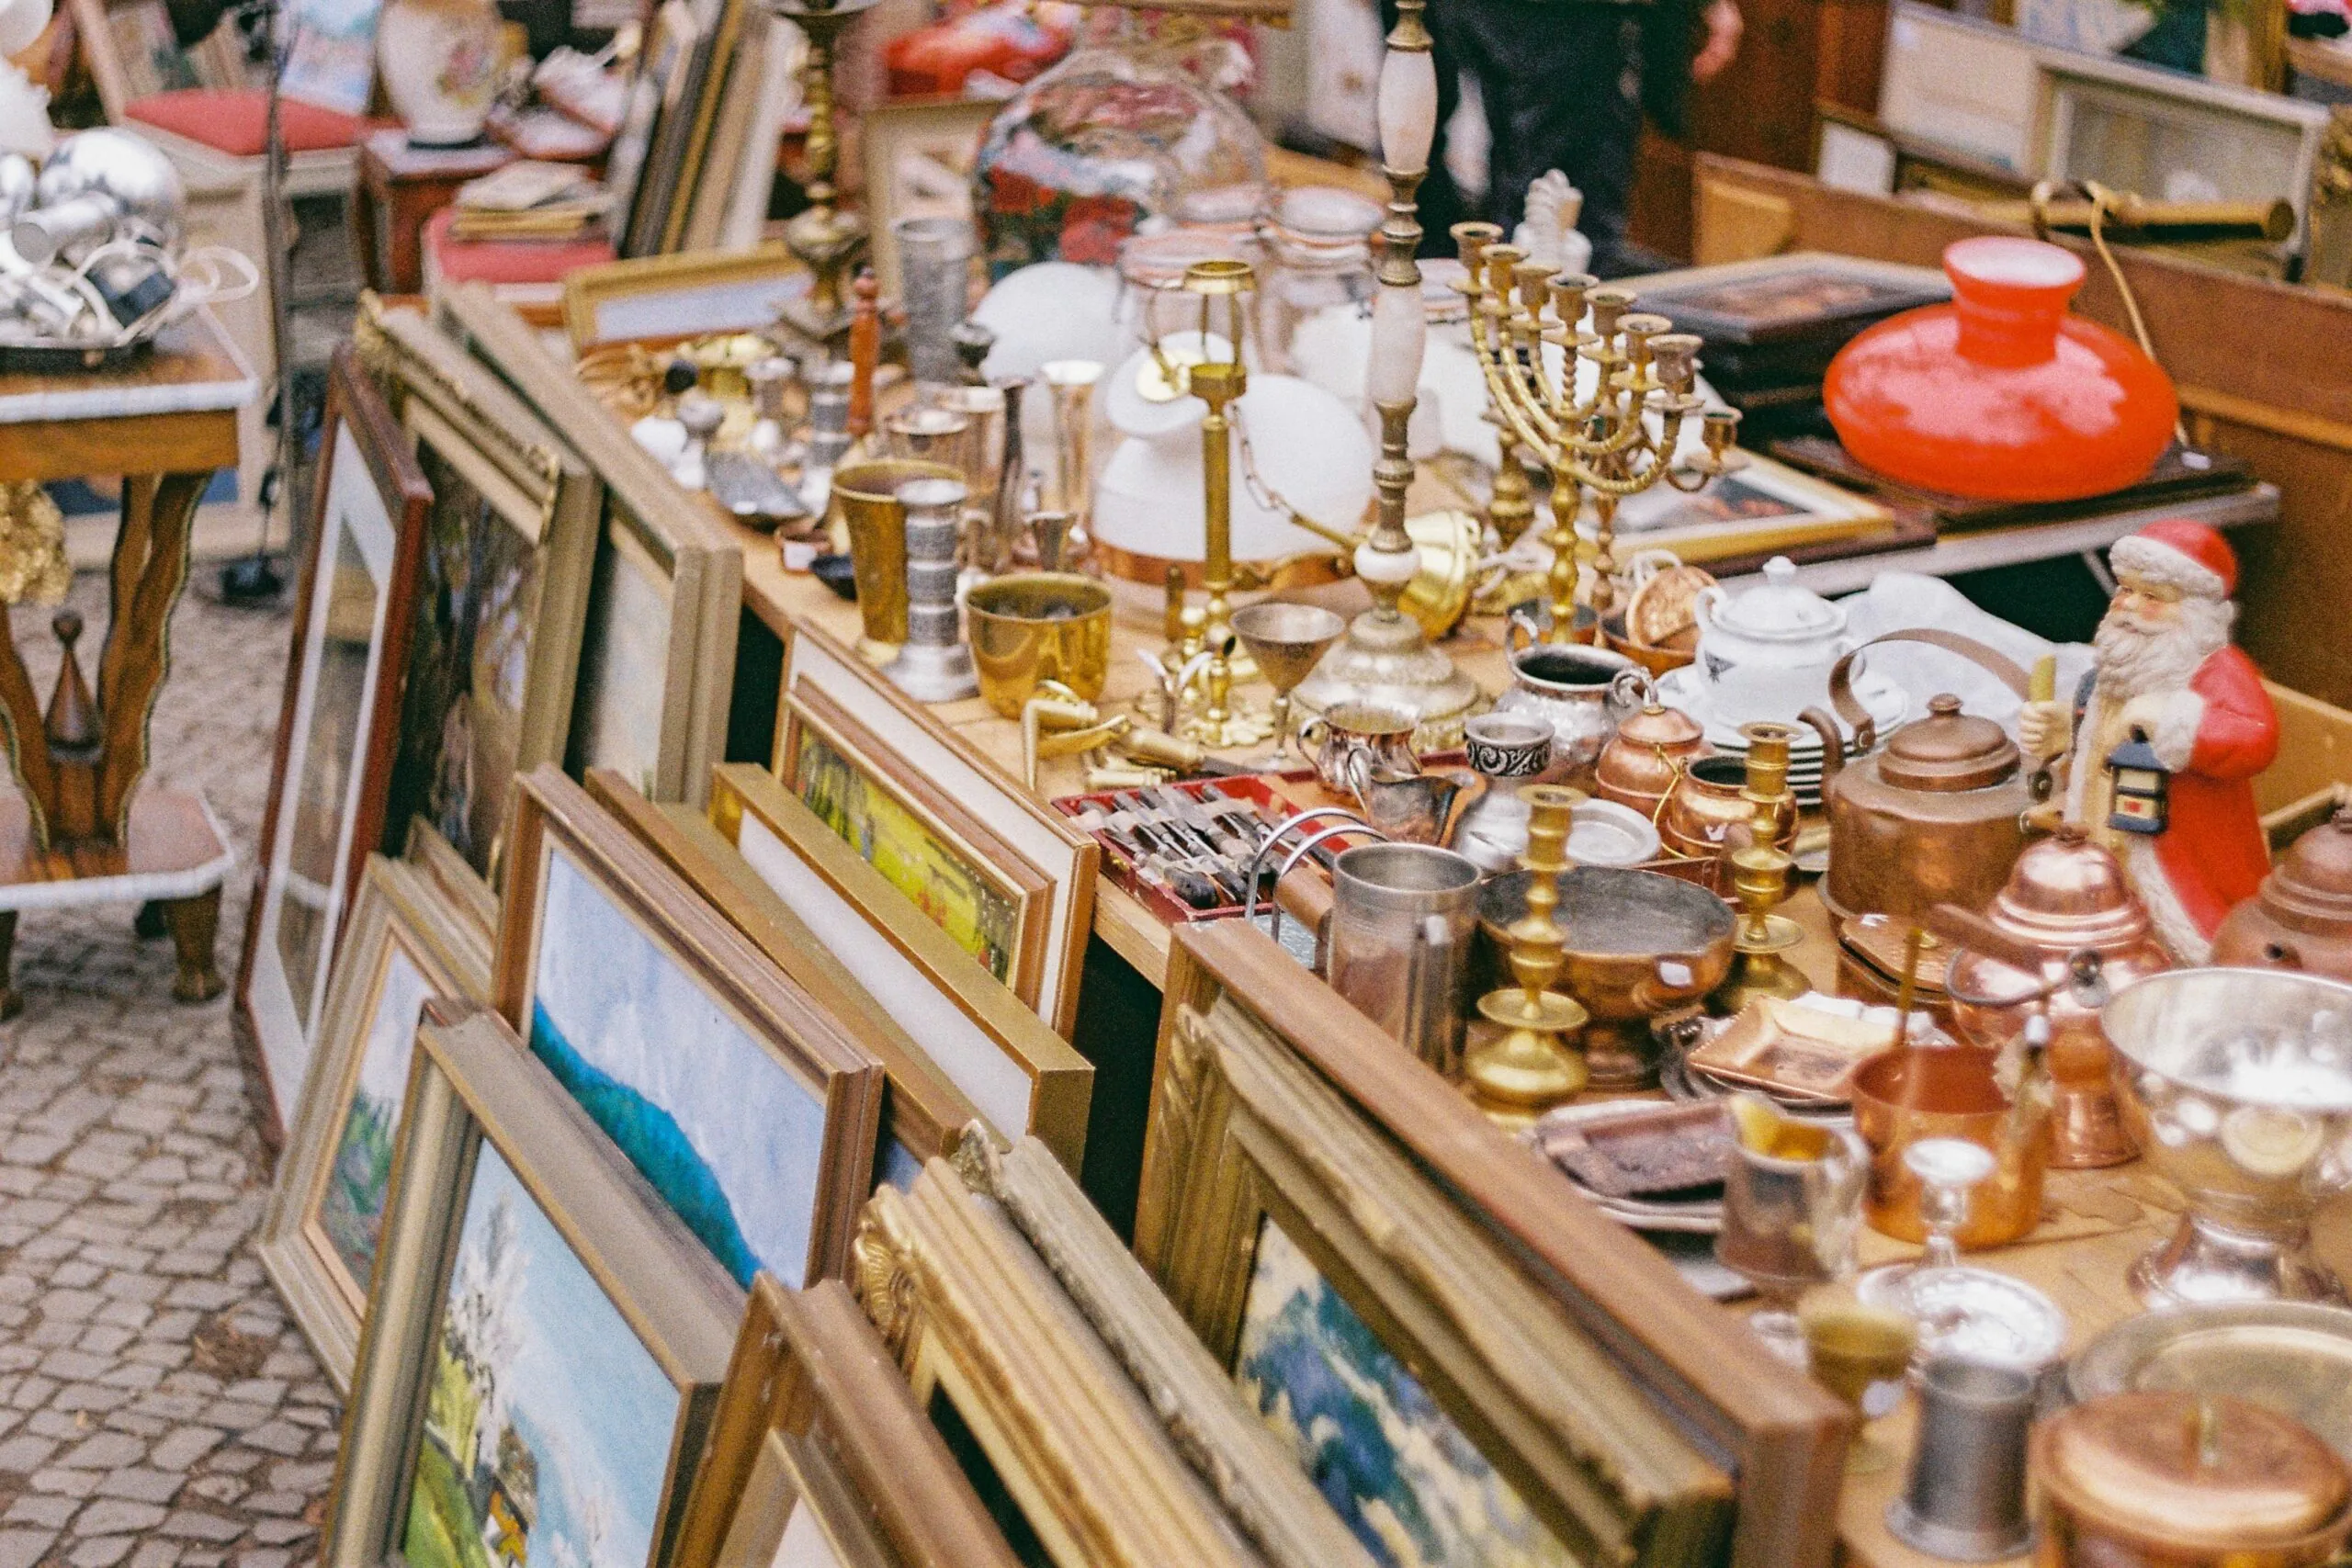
2001, 395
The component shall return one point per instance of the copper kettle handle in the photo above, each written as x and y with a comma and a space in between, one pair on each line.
1849, 708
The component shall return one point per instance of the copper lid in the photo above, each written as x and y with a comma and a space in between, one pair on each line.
2066, 893
1655, 725
1948, 750
2191, 1473
2313, 884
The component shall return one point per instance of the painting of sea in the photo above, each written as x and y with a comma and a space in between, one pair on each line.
1378, 1448
721, 1128
548, 1423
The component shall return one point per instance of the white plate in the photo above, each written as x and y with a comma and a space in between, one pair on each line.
1887, 704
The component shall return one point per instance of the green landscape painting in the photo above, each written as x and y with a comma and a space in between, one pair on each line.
359, 1179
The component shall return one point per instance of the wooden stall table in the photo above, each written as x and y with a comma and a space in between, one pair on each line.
81, 830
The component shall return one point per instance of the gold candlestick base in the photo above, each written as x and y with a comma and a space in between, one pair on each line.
1757, 969
1519, 1074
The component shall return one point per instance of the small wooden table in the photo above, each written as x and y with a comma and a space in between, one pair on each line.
399, 187
82, 832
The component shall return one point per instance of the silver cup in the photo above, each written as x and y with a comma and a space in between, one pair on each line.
1966, 1496
1402, 920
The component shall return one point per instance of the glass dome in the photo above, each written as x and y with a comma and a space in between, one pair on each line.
1123, 138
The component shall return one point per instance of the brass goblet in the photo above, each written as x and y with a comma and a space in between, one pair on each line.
1855, 1350
1287, 642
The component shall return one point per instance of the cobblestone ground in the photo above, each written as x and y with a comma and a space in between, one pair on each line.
158, 1409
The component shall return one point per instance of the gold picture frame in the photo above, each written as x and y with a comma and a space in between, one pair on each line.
751, 1109
923, 1114
917, 155
687, 295
438, 862
1040, 1416
816, 1415
666, 602
1019, 1075
406, 943
501, 1178
962, 821
1262, 1079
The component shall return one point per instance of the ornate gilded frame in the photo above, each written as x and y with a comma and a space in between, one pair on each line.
958, 795
1262, 1083
815, 1412
472, 1082
399, 907
990, 1343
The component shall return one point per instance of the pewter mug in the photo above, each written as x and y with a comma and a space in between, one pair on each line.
1402, 917
1965, 1497
1569, 687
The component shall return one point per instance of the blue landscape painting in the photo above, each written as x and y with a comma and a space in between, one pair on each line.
1391, 1463
548, 1422
721, 1128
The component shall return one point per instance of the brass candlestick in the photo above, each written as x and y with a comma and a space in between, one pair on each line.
1531, 1065
1219, 720
825, 238
1761, 881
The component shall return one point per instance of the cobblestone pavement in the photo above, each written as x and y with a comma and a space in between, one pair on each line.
158, 1409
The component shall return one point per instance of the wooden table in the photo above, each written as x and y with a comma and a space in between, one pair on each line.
398, 187
82, 832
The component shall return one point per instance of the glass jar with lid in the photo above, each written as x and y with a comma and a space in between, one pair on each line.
1318, 244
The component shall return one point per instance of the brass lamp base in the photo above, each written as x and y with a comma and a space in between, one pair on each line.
1757, 969
1528, 1069
1385, 660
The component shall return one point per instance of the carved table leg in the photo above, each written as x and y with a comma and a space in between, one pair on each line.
11, 1002
194, 923
150, 569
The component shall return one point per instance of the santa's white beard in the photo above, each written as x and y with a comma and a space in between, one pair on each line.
2137, 656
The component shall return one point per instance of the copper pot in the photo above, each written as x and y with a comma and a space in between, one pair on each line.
2301, 918
1640, 764
1934, 816
2066, 898
2179, 1480
1949, 1091
1707, 802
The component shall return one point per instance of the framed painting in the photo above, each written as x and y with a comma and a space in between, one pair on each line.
502, 594
918, 156
923, 1114
750, 1109
1020, 1075
439, 862
1066, 1453
1298, 1165
407, 943
679, 295
328, 783
819, 1455
667, 598
539, 1366
1773, 298
1245, 1461
1010, 880
663, 61
698, 124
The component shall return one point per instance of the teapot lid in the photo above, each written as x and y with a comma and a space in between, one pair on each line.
2314, 879
2067, 892
1654, 724
1781, 609
1948, 750
2200, 1475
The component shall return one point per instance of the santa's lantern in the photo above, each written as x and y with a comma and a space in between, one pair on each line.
2140, 782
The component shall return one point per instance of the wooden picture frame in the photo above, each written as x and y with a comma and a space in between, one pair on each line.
1071, 1459
923, 1115
917, 155
1213, 1146
660, 87
438, 860
749, 1108
728, 31
513, 519
853, 746
329, 776
814, 1414
666, 602
406, 943
1019, 1075
679, 295
630, 1379
1252, 1471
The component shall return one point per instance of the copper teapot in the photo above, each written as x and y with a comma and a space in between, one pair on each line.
2059, 937
1935, 817
1651, 747
2301, 918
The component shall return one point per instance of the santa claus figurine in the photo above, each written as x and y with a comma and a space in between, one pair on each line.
2167, 733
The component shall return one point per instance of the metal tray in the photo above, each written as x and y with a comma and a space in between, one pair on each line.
2291, 1356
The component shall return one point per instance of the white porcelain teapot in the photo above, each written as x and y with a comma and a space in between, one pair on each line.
1767, 654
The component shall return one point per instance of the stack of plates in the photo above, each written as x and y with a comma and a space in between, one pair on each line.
1887, 704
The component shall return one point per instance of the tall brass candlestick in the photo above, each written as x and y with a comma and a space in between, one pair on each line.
1531, 1065
1219, 721
825, 238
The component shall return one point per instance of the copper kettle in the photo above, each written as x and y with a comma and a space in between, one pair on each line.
1935, 817
1651, 747
2063, 934
2301, 918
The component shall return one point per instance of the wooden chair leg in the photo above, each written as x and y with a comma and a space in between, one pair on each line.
194, 922
11, 1002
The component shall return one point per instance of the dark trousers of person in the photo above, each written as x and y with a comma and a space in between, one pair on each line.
1561, 83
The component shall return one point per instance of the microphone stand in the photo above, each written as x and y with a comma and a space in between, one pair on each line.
255, 580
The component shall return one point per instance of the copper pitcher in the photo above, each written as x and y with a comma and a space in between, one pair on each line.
1709, 802
1653, 744
2301, 918
1935, 817
2061, 934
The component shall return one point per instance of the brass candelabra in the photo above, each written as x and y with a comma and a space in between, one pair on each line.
826, 239
1618, 440
1532, 1063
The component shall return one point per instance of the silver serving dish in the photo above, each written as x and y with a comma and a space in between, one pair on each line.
1974, 1314
2291, 1356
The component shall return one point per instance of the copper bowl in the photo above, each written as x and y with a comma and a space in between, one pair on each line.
1679, 649
1901, 1097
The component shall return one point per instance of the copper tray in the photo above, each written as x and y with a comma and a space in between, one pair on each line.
1628, 1149
1791, 1053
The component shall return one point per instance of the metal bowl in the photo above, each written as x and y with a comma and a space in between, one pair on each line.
2237, 1086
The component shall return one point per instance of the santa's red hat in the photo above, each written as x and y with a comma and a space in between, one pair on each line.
2182, 554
